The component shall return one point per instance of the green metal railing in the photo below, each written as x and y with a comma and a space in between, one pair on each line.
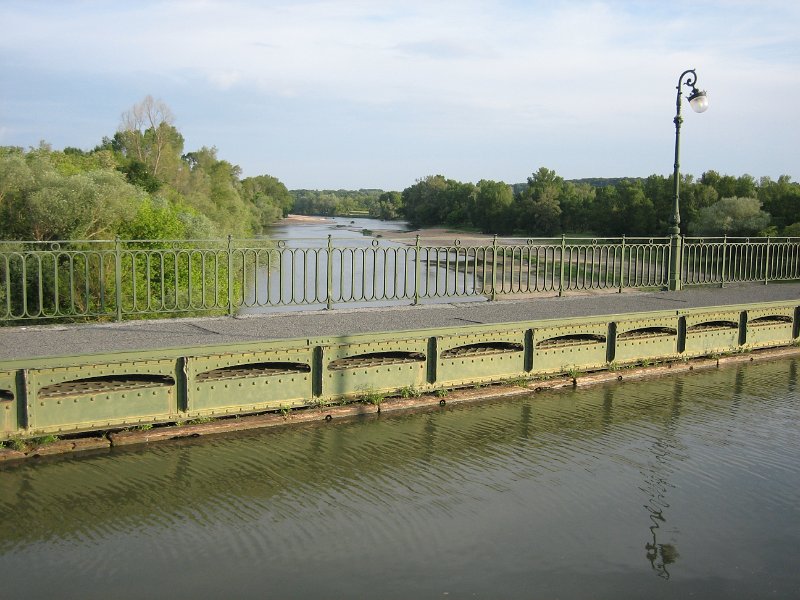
737, 259
121, 279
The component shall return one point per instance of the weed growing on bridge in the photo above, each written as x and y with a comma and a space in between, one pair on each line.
574, 373
15, 444
43, 440
374, 398
410, 392
142, 427
442, 393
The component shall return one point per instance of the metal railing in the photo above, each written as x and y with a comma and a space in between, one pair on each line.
121, 279
738, 259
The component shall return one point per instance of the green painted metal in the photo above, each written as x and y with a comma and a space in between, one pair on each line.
9, 417
222, 384
646, 339
99, 396
770, 326
373, 364
476, 357
123, 279
96, 392
711, 332
569, 346
732, 260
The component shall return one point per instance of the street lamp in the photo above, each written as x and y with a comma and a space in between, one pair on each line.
698, 100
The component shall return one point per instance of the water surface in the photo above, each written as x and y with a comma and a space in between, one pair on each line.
680, 486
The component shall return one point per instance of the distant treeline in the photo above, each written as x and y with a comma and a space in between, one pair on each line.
141, 184
548, 205
138, 184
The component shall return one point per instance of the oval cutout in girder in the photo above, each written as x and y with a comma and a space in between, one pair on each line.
575, 339
375, 359
712, 326
265, 369
770, 320
647, 333
482, 349
104, 384
6, 396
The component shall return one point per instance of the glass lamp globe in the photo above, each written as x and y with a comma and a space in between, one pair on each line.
698, 101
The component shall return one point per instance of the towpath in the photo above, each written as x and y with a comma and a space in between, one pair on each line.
40, 341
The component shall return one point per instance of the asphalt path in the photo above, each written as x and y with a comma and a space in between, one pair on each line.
28, 342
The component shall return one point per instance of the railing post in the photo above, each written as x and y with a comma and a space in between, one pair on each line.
494, 268
675, 262
622, 266
561, 265
329, 271
118, 276
766, 264
416, 271
724, 259
230, 275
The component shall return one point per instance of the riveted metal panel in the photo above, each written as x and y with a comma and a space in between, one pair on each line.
709, 332
772, 326
101, 396
9, 422
587, 350
645, 339
223, 384
480, 356
379, 366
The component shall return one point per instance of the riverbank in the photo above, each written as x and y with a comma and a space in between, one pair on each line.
373, 405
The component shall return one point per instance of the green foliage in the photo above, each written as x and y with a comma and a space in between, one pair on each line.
374, 398
547, 205
730, 216
792, 230
410, 392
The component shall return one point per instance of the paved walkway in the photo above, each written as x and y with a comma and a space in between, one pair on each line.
19, 343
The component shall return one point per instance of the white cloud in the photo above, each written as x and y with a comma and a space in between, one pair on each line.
540, 68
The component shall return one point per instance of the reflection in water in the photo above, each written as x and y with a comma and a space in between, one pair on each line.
657, 485
503, 499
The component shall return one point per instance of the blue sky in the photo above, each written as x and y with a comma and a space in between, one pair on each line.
358, 93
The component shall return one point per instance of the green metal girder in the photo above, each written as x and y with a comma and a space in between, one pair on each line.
585, 355
482, 365
101, 408
179, 383
762, 334
9, 411
373, 376
247, 391
644, 339
703, 338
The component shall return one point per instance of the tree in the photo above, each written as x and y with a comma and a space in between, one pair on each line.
146, 134
387, 207
271, 199
423, 202
493, 207
538, 208
730, 216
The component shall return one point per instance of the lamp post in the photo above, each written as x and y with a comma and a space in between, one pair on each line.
699, 103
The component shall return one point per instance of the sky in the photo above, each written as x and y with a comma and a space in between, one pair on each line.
349, 94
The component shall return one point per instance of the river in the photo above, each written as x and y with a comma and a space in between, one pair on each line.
682, 486
372, 263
